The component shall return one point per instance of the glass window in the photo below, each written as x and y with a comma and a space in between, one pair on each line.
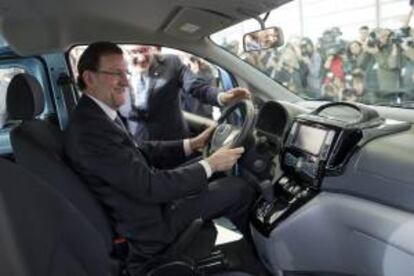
6, 74
199, 66
336, 50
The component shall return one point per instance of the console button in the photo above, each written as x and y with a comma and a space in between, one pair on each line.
275, 216
296, 190
284, 181
304, 193
299, 164
290, 160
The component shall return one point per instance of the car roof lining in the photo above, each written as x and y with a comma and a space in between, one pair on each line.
41, 26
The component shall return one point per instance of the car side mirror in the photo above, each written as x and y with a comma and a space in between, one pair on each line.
263, 39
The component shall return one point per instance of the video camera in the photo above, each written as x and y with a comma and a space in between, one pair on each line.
305, 44
330, 42
401, 36
372, 40
397, 37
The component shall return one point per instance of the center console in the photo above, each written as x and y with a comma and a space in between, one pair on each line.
318, 144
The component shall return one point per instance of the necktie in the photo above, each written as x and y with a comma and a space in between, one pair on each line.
119, 122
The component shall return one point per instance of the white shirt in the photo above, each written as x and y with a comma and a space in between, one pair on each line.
112, 114
140, 84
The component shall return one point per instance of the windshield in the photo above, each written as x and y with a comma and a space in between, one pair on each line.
360, 51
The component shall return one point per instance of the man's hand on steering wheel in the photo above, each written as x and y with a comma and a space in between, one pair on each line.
200, 141
224, 158
225, 146
234, 95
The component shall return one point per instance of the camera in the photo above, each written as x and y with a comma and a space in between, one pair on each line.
335, 49
372, 40
304, 49
402, 35
330, 42
410, 42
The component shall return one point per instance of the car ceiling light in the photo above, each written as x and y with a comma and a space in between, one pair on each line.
189, 28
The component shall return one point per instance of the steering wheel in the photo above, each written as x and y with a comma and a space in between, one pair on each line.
230, 135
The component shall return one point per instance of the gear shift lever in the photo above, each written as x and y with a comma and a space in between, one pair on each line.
267, 191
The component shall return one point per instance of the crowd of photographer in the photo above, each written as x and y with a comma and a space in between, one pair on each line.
378, 66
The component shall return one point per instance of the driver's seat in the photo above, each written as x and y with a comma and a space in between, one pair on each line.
38, 147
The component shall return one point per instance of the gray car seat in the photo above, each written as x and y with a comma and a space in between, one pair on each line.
42, 233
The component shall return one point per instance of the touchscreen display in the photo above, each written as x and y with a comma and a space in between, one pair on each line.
310, 139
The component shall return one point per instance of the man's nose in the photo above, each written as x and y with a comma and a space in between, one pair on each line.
124, 80
140, 57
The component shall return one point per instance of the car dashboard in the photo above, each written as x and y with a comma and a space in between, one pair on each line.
296, 151
335, 188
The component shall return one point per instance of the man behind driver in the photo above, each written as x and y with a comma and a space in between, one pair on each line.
150, 207
153, 109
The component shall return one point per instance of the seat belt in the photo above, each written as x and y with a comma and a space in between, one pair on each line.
67, 89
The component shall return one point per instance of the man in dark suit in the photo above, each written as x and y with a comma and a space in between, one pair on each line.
192, 104
148, 206
153, 108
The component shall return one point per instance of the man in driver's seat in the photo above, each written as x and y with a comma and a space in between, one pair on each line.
150, 207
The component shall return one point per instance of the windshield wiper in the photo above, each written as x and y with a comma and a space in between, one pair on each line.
400, 99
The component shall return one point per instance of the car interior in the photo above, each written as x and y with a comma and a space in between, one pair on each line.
334, 178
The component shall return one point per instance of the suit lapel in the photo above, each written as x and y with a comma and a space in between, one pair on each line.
155, 72
94, 110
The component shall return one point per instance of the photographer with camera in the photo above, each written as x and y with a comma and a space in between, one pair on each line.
361, 60
407, 46
355, 89
334, 72
292, 69
312, 60
363, 35
357, 58
388, 55
331, 39
332, 49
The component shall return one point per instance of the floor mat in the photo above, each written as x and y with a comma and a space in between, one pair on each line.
241, 256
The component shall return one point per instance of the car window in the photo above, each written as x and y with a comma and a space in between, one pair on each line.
201, 67
6, 74
359, 51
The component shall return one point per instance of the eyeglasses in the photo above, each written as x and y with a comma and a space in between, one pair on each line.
118, 74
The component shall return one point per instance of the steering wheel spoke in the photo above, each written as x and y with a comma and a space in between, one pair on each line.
229, 135
232, 136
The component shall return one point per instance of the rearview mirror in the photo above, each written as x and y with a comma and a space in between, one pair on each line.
264, 39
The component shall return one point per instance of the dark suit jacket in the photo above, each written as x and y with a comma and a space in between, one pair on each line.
137, 196
168, 78
192, 104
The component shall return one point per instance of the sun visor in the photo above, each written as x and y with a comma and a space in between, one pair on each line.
193, 24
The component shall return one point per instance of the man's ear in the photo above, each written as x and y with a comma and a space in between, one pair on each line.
89, 78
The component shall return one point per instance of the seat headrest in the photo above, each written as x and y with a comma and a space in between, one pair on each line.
25, 99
